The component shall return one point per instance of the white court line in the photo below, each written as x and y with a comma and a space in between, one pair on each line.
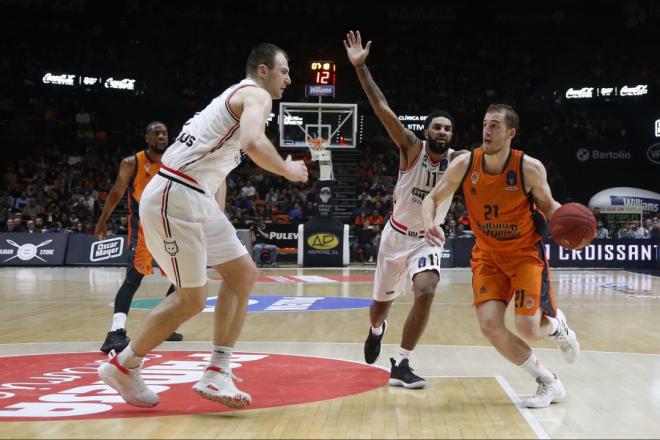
524, 411
531, 420
624, 353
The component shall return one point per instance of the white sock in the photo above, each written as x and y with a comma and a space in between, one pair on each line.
401, 355
118, 321
221, 357
377, 331
534, 367
128, 358
554, 325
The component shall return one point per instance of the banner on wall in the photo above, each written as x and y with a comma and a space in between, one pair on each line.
86, 250
23, 249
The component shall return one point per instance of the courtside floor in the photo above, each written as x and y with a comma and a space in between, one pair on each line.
300, 356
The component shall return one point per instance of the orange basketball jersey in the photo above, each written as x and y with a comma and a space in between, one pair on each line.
499, 209
145, 169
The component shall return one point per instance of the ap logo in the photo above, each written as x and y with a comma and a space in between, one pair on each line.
583, 154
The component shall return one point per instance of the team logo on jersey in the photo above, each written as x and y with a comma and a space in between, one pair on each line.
147, 167
171, 247
443, 164
511, 181
474, 178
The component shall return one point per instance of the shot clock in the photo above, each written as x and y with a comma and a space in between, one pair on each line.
321, 80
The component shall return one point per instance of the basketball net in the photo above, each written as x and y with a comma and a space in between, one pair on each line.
323, 156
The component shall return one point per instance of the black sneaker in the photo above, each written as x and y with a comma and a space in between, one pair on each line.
372, 345
116, 340
403, 376
175, 337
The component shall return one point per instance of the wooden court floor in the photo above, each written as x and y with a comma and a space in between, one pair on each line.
613, 391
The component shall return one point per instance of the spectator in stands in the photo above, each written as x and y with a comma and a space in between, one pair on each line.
9, 225
77, 228
271, 196
362, 246
248, 191
122, 227
654, 231
637, 231
450, 228
18, 223
295, 213
258, 234
602, 231
375, 243
39, 224
461, 232
376, 219
31, 228
22, 201
310, 211
623, 232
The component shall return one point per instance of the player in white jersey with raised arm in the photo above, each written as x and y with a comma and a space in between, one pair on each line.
185, 229
404, 256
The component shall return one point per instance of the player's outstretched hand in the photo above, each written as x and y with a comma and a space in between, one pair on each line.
296, 170
356, 53
434, 235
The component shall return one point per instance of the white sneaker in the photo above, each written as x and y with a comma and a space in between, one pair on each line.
549, 391
128, 383
218, 386
566, 340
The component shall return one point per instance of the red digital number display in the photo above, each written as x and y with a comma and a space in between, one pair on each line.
323, 72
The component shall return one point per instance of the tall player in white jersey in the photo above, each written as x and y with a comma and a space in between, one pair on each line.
404, 256
185, 229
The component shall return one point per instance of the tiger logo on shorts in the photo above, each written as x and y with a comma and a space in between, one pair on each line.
171, 247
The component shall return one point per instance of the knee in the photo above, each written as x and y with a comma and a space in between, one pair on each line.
528, 330
191, 304
244, 280
491, 328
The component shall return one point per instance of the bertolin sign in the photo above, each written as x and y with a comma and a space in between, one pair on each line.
106, 249
633, 199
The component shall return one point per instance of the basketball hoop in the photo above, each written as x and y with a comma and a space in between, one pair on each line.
323, 156
316, 146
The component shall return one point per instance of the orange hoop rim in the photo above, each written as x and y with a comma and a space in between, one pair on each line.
316, 143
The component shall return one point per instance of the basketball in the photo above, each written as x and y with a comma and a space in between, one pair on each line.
573, 226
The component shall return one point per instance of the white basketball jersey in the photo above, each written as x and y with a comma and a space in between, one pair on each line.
411, 188
208, 147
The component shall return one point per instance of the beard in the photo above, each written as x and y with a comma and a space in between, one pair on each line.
157, 150
437, 148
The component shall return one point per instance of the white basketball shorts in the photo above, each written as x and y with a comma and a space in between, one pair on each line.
186, 231
400, 258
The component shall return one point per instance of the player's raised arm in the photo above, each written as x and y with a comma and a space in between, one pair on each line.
126, 171
256, 104
444, 189
357, 55
536, 182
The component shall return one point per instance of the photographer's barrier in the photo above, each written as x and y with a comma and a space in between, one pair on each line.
316, 247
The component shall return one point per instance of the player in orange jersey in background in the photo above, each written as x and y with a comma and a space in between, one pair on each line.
134, 173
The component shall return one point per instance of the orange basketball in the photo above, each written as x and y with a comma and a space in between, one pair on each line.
573, 226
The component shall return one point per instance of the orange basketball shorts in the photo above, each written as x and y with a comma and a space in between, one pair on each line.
523, 275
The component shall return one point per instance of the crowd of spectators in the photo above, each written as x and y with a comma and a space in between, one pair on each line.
65, 143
